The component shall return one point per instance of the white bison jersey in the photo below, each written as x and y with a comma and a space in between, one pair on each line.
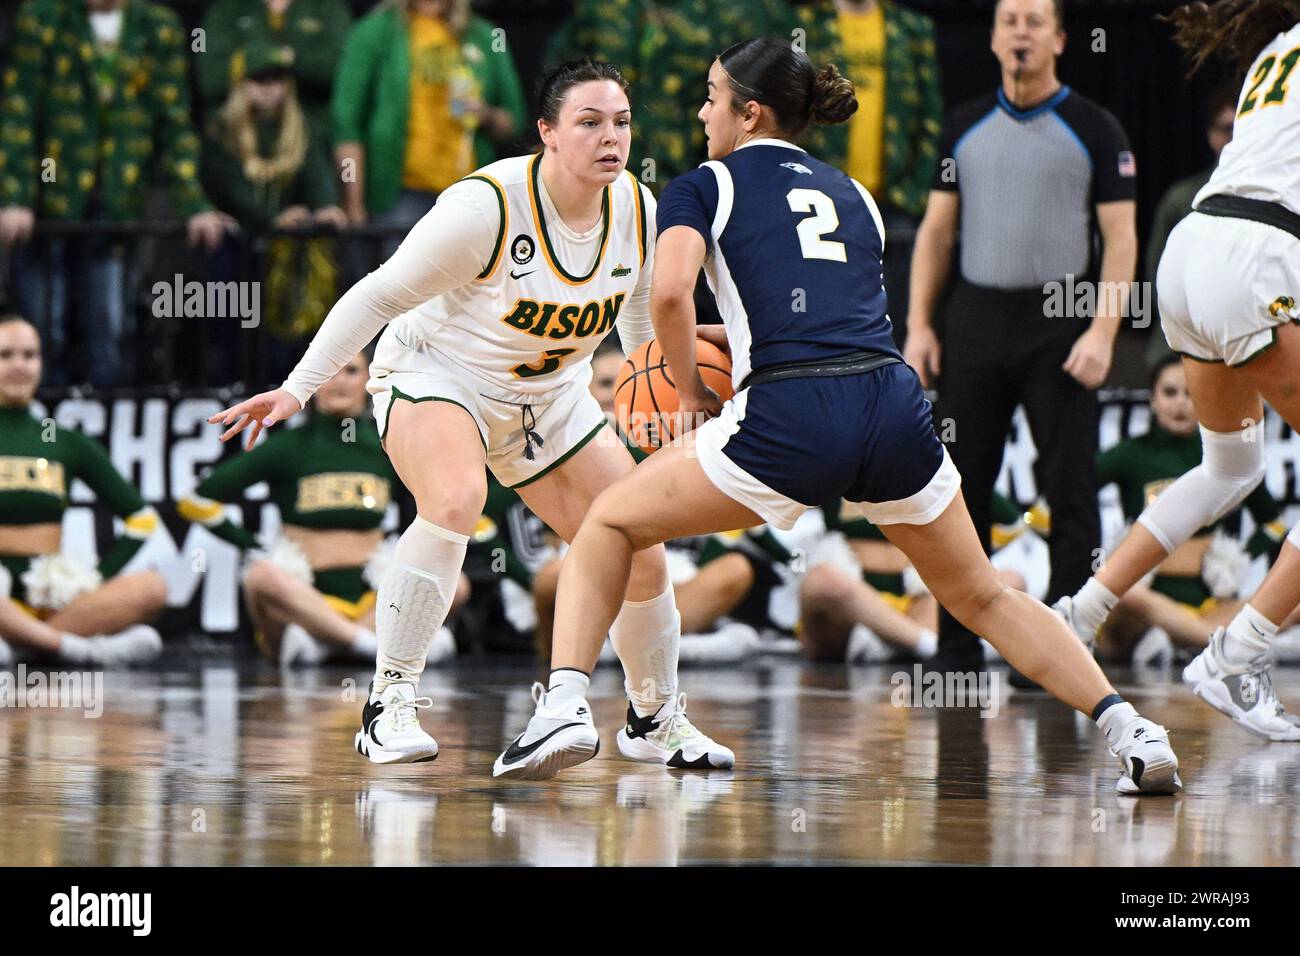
1263, 159
492, 281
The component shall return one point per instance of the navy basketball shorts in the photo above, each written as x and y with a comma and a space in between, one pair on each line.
782, 447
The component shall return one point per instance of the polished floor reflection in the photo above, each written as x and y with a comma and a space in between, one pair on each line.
236, 765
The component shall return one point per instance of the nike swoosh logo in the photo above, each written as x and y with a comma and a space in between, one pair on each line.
522, 274
515, 753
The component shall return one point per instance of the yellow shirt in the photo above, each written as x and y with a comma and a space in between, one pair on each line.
863, 38
439, 146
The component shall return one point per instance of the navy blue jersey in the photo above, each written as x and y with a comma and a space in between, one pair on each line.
795, 251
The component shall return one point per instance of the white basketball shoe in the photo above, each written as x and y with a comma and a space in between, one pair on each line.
1244, 692
668, 737
390, 729
1149, 763
559, 735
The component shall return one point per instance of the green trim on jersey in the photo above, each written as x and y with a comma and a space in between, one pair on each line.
640, 210
534, 174
563, 458
398, 393
501, 229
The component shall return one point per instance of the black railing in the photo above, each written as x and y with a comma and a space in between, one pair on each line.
240, 313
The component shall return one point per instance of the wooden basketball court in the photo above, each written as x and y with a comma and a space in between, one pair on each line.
235, 764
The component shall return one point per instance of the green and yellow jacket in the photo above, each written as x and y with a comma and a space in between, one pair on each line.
314, 29
38, 464
372, 95
255, 204
913, 104
102, 119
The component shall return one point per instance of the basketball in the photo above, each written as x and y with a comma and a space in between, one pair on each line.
645, 397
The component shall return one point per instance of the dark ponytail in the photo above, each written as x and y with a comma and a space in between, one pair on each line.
832, 97
780, 76
1234, 29
554, 86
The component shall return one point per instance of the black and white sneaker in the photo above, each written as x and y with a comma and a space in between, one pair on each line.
668, 737
558, 736
390, 731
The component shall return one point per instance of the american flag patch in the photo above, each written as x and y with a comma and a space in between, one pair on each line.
1127, 164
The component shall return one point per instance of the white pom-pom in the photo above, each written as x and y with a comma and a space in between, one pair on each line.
55, 580
284, 554
1224, 565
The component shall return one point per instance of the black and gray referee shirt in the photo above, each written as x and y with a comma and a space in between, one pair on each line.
1029, 181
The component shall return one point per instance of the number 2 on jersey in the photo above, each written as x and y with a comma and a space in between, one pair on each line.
1278, 91
812, 229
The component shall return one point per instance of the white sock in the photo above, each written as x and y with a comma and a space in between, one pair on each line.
927, 645
566, 683
75, 648
414, 598
1248, 636
646, 636
1093, 604
365, 643
1115, 718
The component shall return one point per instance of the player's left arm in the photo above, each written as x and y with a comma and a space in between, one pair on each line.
95, 468
679, 255
684, 222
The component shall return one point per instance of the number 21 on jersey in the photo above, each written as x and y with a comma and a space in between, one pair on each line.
821, 223
1278, 91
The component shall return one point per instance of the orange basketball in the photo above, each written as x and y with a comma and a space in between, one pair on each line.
645, 397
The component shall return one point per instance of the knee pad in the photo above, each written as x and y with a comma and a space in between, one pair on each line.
1232, 465
1293, 537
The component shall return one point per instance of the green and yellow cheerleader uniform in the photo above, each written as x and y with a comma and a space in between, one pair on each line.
38, 463
1145, 466
331, 473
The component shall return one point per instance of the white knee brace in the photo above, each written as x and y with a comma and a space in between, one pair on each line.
1232, 464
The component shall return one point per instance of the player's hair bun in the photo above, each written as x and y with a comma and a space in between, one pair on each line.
833, 100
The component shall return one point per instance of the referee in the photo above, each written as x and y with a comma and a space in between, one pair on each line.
1029, 175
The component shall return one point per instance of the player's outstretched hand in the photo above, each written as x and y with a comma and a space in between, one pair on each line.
260, 411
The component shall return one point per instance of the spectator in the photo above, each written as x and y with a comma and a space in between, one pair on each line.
312, 31
664, 47
95, 98
1177, 200
261, 163
424, 91
1025, 173
263, 166
891, 142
